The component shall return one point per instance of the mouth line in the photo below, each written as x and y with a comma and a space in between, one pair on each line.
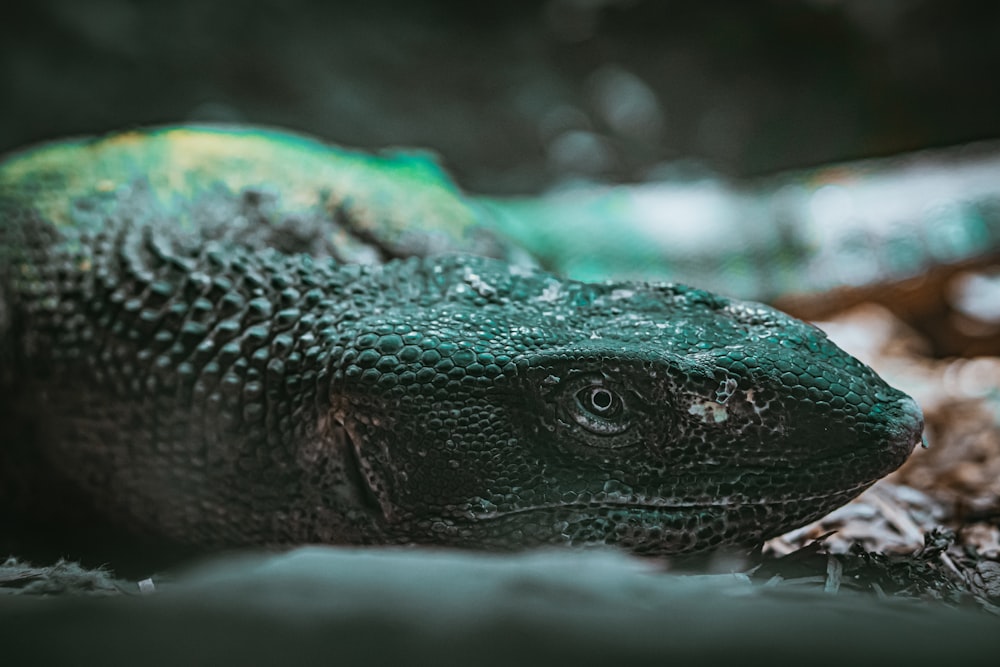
646, 505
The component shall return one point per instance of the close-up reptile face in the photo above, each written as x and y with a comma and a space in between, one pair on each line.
223, 364
521, 409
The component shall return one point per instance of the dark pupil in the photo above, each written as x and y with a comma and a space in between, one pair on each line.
601, 399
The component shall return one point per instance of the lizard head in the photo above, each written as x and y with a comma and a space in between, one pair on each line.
515, 409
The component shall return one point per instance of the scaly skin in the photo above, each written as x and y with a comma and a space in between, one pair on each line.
198, 384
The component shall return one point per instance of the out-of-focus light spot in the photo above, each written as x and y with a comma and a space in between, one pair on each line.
627, 104
581, 152
977, 295
953, 231
687, 219
971, 377
831, 206
560, 119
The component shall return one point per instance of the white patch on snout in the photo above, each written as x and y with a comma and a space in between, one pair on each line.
751, 398
709, 411
726, 389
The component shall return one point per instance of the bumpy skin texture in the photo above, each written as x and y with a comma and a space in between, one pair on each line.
199, 384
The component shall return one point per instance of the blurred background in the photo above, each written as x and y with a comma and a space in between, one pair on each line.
520, 95
726, 103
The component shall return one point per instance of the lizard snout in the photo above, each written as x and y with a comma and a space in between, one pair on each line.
905, 426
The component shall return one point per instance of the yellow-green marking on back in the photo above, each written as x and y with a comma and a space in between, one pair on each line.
386, 194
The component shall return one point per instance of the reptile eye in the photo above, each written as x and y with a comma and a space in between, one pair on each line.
600, 410
599, 400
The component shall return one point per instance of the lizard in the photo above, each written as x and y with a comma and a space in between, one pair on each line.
209, 359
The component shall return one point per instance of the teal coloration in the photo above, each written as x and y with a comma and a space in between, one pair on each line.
273, 359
